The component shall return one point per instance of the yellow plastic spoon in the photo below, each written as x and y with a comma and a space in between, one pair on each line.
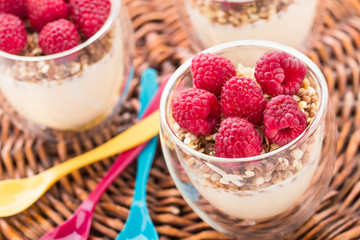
17, 195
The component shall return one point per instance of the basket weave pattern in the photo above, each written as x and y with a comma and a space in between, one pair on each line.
161, 44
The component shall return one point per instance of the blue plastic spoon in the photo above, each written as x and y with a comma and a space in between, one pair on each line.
139, 226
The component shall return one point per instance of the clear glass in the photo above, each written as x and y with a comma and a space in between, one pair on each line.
71, 91
291, 22
266, 196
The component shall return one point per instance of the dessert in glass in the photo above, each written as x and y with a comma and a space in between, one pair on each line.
71, 72
249, 137
211, 22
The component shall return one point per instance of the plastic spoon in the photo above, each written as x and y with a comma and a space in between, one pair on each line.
77, 226
139, 224
19, 194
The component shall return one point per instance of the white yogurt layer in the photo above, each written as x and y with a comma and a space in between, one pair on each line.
290, 27
265, 202
258, 205
74, 102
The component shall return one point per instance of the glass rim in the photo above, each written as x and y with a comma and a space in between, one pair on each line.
115, 10
320, 79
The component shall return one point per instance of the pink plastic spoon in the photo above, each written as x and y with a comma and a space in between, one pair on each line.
77, 226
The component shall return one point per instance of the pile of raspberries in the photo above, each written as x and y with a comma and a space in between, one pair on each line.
61, 24
233, 106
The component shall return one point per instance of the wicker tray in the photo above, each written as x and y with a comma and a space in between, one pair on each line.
160, 43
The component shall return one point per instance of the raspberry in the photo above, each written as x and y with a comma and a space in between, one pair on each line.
42, 12
283, 120
242, 97
210, 72
12, 34
58, 36
228, 6
280, 73
197, 111
237, 138
15, 7
89, 15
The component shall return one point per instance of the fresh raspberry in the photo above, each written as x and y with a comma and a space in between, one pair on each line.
197, 111
283, 120
210, 72
242, 97
237, 138
228, 6
15, 7
12, 34
58, 36
280, 73
42, 12
89, 15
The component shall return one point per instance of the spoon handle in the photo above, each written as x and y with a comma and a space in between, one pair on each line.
135, 135
145, 160
121, 163
149, 86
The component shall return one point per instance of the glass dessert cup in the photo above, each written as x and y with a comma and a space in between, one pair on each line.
266, 196
291, 22
72, 91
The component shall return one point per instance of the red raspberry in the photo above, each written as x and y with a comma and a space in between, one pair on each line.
12, 34
283, 120
237, 138
58, 36
89, 15
15, 7
197, 111
210, 72
280, 73
228, 6
242, 97
42, 12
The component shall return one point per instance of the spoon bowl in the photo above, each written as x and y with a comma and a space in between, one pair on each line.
19, 194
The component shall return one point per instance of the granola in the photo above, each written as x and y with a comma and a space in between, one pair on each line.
238, 13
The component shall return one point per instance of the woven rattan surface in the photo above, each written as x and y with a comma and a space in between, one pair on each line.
160, 43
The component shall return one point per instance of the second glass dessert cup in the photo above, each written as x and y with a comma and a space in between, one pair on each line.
291, 22
266, 196
72, 91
